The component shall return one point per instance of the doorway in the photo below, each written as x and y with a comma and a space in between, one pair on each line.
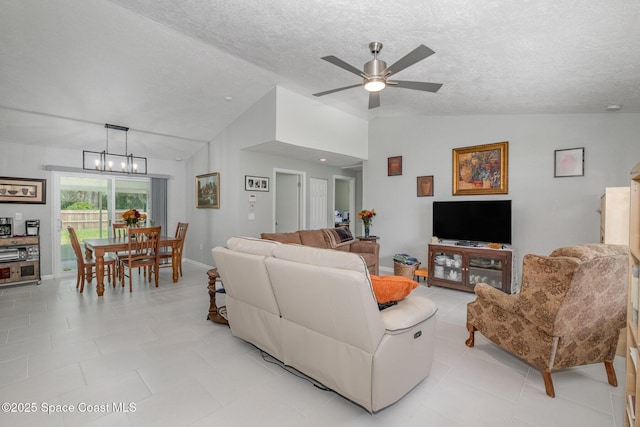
344, 200
90, 203
288, 206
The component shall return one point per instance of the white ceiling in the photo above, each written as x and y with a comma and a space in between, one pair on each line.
164, 68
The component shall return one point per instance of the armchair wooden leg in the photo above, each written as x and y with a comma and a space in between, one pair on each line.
470, 342
548, 384
611, 374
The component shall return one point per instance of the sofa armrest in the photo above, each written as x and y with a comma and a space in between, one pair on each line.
407, 313
491, 295
363, 247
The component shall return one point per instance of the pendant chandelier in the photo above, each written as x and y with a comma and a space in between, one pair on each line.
104, 161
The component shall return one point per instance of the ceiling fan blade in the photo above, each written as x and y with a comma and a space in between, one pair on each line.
327, 92
374, 100
416, 55
428, 87
340, 63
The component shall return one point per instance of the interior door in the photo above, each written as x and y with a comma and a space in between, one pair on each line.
318, 189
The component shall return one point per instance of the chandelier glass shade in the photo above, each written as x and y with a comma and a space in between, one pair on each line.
104, 161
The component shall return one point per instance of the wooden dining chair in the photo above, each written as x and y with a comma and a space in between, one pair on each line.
143, 245
119, 230
166, 257
86, 266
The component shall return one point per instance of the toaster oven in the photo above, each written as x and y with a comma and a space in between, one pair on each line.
13, 254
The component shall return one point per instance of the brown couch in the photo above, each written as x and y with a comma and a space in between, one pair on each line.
329, 238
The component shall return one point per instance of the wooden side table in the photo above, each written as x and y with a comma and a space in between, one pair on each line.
368, 239
216, 314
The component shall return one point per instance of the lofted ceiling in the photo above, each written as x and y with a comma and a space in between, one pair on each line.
178, 73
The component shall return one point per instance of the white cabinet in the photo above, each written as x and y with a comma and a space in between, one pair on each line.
614, 216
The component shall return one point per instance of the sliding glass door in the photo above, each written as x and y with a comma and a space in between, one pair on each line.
90, 204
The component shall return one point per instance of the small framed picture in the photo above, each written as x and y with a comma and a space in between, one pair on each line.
425, 186
256, 183
569, 162
394, 166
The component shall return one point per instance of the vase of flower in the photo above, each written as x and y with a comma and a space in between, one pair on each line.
367, 218
134, 218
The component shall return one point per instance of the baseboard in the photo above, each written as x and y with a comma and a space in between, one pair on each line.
197, 263
388, 270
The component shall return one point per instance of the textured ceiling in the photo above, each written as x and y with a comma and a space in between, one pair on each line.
164, 68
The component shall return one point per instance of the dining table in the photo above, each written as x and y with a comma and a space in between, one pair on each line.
100, 247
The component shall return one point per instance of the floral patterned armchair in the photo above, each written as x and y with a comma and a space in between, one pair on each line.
569, 312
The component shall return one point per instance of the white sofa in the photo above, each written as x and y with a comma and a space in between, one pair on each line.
314, 309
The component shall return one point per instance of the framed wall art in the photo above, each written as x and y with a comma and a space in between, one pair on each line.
23, 190
256, 183
208, 190
569, 162
425, 186
481, 169
394, 166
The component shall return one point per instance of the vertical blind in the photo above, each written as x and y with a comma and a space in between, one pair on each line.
159, 203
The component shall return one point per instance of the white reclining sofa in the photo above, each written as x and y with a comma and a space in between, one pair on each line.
314, 310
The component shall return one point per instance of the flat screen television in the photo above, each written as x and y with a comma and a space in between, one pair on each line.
473, 221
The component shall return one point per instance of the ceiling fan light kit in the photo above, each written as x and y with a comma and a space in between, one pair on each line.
374, 84
375, 73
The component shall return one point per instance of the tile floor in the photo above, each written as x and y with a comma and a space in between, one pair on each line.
150, 358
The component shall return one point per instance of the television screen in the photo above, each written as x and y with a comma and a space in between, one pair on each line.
474, 221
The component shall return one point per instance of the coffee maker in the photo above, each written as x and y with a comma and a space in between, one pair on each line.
6, 229
33, 227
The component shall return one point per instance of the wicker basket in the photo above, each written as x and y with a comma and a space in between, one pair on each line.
405, 270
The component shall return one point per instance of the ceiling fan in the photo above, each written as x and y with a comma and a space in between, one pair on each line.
376, 73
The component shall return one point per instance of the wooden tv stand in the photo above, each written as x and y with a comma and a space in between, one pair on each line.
461, 267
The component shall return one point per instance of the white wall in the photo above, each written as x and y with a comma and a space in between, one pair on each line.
306, 122
548, 212
229, 154
28, 161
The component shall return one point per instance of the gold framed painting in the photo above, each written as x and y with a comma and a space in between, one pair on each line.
481, 169
23, 190
208, 190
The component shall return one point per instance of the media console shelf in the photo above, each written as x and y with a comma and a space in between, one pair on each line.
461, 267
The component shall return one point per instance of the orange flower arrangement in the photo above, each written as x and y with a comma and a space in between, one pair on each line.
133, 217
367, 217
